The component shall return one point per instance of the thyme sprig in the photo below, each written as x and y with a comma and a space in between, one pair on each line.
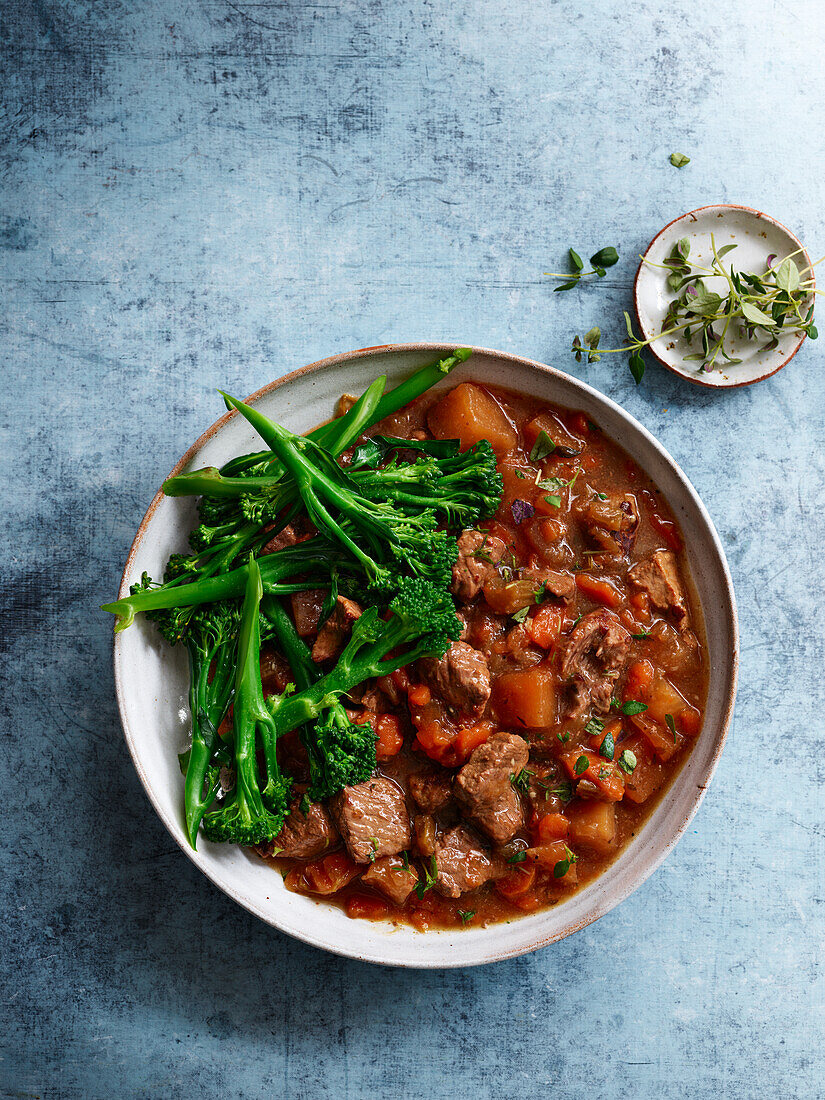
601, 261
753, 306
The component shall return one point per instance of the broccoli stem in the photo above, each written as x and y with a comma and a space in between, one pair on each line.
312, 557
208, 703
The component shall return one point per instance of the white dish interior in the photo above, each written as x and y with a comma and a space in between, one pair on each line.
151, 679
756, 237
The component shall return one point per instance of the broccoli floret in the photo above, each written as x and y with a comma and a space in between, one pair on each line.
379, 535
340, 752
254, 810
461, 487
422, 622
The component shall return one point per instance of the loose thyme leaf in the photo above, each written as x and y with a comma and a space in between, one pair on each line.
607, 749
627, 761
632, 706
679, 160
605, 257
517, 857
543, 446
566, 286
755, 315
637, 367
554, 501
671, 725
575, 259
466, 915
581, 765
594, 727
520, 615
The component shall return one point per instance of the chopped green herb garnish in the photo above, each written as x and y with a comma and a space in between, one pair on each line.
517, 857
627, 761
543, 446
633, 706
607, 749
564, 865
564, 791
520, 615
466, 915
374, 852
405, 859
304, 805
554, 501
430, 878
581, 765
522, 781
639, 637
594, 727
563, 737
522, 477
671, 725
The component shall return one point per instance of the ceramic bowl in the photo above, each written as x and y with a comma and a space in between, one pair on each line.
756, 237
151, 679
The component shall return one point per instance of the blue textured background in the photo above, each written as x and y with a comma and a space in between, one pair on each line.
215, 192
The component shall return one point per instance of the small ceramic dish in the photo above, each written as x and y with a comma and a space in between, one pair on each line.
756, 237
152, 680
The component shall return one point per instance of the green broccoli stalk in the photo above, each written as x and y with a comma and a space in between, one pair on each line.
338, 434
252, 812
315, 559
378, 535
341, 753
422, 622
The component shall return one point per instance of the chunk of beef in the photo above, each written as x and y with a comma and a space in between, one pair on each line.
484, 789
462, 863
372, 819
658, 575
612, 522
304, 835
594, 657
392, 878
461, 677
333, 634
431, 790
306, 610
478, 555
555, 582
299, 531
287, 536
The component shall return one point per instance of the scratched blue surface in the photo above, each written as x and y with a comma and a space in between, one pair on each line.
212, 193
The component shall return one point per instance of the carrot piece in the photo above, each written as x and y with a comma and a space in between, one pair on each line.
639, 681
389, 736
690, 721
661, 740
419, 695
604, 775
324, 876
545, 626
551, 827
366, 906
649, 773
613, 728
517, 882
469, 414
470, 738
597, 590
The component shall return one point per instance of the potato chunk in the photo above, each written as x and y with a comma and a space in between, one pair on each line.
469, 414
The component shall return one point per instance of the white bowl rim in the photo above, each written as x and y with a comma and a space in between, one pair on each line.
603, 905
696, 381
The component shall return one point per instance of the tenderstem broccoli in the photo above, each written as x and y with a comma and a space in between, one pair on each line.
254, 810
